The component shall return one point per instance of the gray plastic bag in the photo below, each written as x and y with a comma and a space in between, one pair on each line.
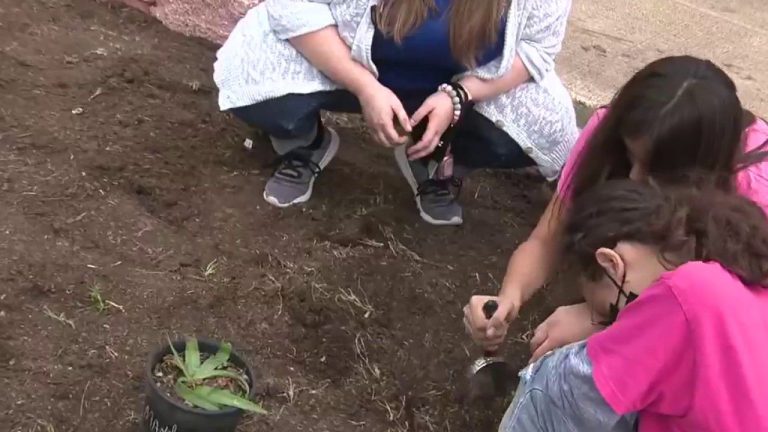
558, 394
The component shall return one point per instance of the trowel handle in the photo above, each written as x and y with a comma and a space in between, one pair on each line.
489, 308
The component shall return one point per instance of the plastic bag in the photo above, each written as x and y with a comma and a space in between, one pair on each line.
558, 394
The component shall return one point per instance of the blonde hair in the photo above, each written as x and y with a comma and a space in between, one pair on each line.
474, 24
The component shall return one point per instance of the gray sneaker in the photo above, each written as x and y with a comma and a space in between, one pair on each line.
295, 175
434, 198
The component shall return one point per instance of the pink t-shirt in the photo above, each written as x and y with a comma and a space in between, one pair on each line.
690, 354
751, 182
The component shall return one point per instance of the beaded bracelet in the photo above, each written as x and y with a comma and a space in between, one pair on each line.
462, 91
459, 96
455, 99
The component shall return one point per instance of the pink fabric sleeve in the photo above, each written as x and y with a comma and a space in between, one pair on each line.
577, 150
645, 360
752, 182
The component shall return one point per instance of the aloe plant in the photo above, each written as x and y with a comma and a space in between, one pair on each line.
190, 386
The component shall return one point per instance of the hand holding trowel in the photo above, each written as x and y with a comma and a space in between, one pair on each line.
490, 375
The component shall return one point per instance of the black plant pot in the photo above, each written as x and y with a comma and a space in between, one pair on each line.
165, 414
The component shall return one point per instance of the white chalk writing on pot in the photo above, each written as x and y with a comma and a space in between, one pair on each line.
153, 425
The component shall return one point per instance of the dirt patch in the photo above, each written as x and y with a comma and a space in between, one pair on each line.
120, 175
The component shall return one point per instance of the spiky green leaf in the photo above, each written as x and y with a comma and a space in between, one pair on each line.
177, 359
227, 398
215, 362
196, 398
192, 356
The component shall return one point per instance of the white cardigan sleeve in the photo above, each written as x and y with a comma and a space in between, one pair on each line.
542, 36
291, 18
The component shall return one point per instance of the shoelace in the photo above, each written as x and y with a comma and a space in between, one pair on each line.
439, 187
290, 164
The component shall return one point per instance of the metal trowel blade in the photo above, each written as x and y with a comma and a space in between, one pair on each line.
490, 381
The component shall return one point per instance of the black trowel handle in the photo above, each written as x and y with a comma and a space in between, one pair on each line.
489, 309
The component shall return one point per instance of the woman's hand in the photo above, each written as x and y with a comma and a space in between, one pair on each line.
566, 325
381, 109
438, 108
488, 333
326, 51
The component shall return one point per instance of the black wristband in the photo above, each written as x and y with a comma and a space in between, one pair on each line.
462, 91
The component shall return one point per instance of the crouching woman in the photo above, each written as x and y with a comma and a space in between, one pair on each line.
477, 75
679, 278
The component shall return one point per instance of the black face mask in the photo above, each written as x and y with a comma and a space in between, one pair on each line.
613, 309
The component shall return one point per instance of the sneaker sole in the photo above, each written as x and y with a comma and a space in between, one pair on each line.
333, 148
402, 162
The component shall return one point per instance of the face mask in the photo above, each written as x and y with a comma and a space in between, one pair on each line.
613, 309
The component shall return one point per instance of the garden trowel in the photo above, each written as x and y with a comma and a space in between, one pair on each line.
490, 376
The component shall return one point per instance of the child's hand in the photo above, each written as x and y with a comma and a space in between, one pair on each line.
488, 333
566, 325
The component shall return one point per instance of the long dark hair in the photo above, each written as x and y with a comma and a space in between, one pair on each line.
687, 109
684, 223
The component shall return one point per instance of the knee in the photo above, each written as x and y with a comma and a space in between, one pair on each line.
276, 123
503, 152
494, 153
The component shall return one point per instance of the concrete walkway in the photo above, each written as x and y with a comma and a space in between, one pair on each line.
609, 40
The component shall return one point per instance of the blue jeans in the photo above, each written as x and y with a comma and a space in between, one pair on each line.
478, 142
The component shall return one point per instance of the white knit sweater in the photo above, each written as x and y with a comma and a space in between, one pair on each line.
258, 63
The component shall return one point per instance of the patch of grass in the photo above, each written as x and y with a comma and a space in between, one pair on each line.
97, 301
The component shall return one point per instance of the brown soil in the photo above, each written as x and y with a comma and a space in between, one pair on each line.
119, 174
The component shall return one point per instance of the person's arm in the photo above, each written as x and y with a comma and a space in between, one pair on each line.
528, 269
542, 36
310, 27
566, 325
327, 52
483, 90
532, 263
540, 42
541, 39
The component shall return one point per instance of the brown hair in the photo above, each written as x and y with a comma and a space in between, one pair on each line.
689, 112
474, 24
685, 224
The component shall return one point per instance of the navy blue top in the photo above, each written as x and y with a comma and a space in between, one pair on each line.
424, 61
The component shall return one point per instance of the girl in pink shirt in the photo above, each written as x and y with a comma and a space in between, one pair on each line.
676, 115
683, 274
